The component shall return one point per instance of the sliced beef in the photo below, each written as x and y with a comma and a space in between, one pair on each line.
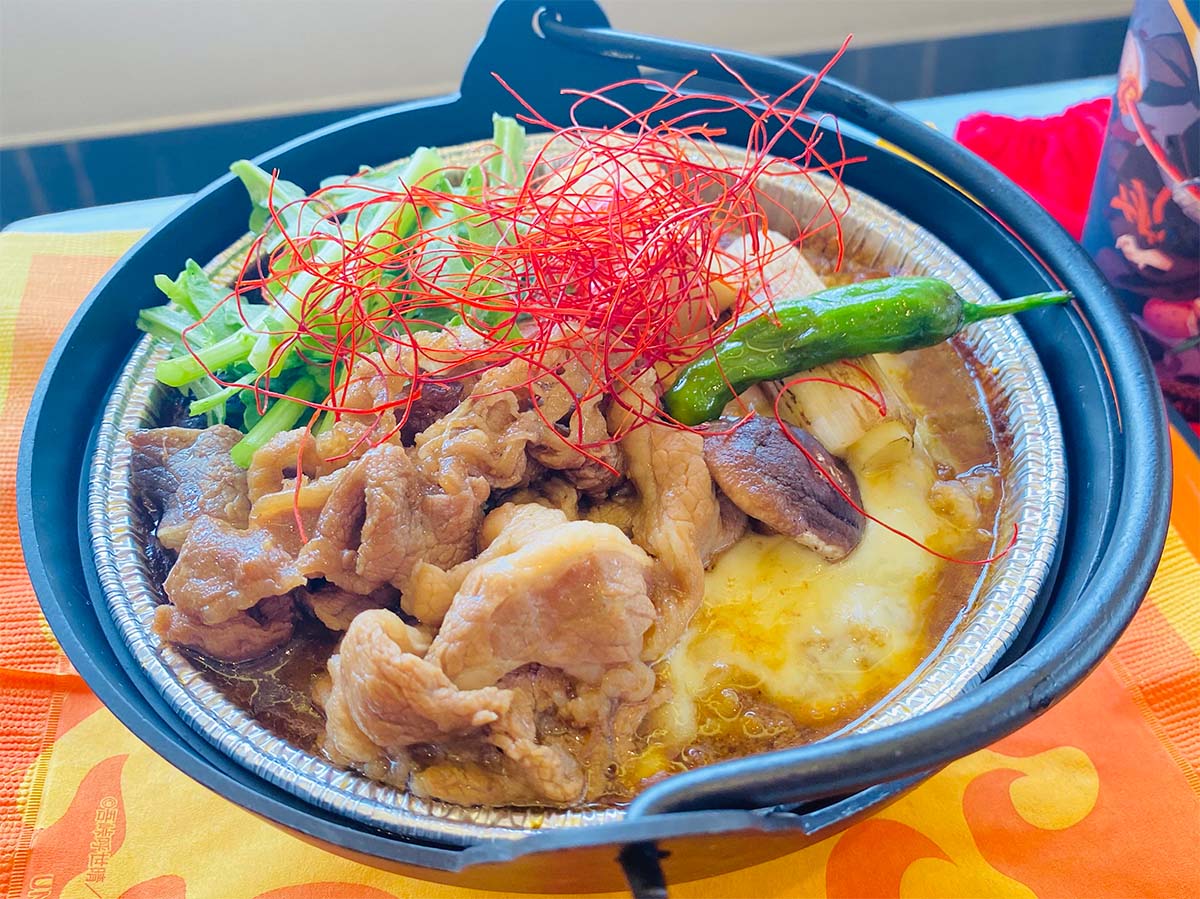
546, 594
183, 474
485, 776
352, 437
570, 597
678, 519
240, 638
733, 524
434, 400
565, 737
607, 716
222, 570
297, 453
280, 460
552, 491
619, 510
432, 589
276, 512
375, 410
485, 436
386, 693
336, 608
380, 386
519, 421
375, 383
772, 480
550, 771
569, 411
383, 517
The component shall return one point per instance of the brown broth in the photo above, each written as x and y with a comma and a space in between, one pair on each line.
277, 690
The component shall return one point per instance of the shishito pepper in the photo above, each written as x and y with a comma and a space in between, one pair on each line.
887, 315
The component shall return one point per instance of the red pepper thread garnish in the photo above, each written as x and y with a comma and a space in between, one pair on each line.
607, 256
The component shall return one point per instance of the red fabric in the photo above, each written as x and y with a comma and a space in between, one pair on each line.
1054, 158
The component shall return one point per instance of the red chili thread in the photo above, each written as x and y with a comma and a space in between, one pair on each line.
605, 259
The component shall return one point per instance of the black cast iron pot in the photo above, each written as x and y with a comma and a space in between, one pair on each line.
738, 812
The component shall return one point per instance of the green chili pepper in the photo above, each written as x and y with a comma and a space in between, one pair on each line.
887, 315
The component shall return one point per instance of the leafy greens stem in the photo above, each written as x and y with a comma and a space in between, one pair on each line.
179, 371
284, 413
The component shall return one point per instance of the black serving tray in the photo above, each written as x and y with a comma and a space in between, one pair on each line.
738, 812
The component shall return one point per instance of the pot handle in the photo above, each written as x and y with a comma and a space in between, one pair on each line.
642, 862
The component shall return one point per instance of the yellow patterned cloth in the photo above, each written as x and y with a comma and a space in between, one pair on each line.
1100, 797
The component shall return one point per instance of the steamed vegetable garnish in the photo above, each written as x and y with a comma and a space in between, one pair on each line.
209, 334
464, 441
331, 269
888, 315
270, 197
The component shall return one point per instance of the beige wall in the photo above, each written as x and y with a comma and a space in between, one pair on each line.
77, 68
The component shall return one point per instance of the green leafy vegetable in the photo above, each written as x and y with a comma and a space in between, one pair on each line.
223, 346
282, 415
263, 197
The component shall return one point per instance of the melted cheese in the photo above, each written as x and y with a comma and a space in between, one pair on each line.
818, 640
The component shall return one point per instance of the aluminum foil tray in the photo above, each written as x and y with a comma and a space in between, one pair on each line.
876, 236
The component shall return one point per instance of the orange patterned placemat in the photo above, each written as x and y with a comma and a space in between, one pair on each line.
1100, 797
